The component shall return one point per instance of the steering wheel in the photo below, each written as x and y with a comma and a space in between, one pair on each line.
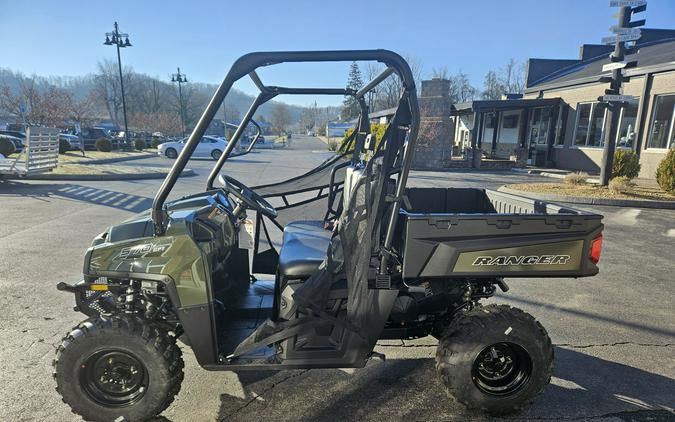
247, 196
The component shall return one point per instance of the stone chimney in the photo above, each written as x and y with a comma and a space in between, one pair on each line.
434, 142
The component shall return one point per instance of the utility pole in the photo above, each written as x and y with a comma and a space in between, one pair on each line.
115, 38
180, 78
626, 31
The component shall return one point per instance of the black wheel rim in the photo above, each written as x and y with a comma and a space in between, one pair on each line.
114, 378
216, 154
501, 369
171, 153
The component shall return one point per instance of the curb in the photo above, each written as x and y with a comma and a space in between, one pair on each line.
117, 160
635, 203
103, 177
552, 175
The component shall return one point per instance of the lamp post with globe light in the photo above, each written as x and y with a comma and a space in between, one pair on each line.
120, 40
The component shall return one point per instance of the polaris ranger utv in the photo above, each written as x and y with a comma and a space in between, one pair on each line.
361, 257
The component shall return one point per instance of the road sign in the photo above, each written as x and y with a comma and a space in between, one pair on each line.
621, 98
623, 31
612, 66
617, 65
627, 3
621, 38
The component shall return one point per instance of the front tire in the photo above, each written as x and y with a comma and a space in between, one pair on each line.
120, 367
495, 358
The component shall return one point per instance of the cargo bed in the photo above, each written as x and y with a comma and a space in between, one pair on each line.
461, 232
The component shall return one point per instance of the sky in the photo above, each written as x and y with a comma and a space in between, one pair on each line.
65, 38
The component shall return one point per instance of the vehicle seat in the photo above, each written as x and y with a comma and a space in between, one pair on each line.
305, 243
304, 248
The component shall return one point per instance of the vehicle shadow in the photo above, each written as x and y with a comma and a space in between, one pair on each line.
75, 192
590, 315
408, 389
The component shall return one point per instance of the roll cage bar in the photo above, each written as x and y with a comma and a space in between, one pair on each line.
249, 63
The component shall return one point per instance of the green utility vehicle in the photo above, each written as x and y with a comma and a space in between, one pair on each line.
352, 255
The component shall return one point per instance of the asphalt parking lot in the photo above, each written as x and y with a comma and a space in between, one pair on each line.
614, 333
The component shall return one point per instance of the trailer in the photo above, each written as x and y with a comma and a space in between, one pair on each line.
40, 155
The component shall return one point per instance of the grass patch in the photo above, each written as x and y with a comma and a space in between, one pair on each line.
104, 169
75, 157
594, 191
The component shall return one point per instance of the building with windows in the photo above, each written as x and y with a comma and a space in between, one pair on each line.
560, 123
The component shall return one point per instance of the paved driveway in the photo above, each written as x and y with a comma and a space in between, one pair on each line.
615, 333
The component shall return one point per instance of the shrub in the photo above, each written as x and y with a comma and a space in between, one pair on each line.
155, 142
665, 172
621, 184
7, 147
64, 146
626, 164
103, 145
139, 144
578, 178
377, 129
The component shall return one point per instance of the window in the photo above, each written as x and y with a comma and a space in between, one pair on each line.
489, 121
595, 131
661, 134
510, 121
583, 117
626, 136
590, 124
539, 122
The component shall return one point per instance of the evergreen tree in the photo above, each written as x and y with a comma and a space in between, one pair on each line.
350, 106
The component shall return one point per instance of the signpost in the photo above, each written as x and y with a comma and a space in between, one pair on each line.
630, 36
627, 3
626, 31
612, 66
618, 98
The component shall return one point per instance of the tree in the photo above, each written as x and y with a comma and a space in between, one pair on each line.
309, 117
463, 90
109, 91
230, 113
82, 110
281, 117
36, 106
388, 92
350, 106
513, 76
440, 73
493, 88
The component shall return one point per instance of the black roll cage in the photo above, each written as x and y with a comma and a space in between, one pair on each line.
248, 64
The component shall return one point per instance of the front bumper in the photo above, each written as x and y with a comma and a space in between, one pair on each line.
92, 299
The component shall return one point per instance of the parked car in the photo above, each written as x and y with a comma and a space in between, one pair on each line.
18, 145
73, 141
209, 146
17, 137
89, 136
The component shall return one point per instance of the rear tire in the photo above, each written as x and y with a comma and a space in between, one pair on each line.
171, 153
119, 368
495, 358
216, 153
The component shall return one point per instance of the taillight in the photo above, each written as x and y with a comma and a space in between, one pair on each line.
596, 249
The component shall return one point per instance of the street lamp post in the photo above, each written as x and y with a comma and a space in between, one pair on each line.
180, 78
115, 38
